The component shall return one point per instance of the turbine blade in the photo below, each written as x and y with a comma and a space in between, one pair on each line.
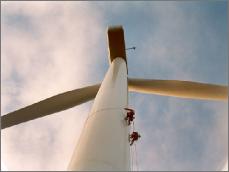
183, 89
50, 105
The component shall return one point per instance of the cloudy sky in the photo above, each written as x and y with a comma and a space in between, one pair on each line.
51, 47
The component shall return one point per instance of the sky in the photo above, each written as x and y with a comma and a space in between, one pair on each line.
51, 47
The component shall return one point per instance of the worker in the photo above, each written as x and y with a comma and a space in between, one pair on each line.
130, 115
134, 137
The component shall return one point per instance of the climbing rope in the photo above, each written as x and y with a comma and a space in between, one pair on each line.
131, 153
134, 152
133, 126
136, 157
131, 160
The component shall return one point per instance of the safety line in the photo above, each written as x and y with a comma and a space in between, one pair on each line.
133, 126
131, 160
136, 158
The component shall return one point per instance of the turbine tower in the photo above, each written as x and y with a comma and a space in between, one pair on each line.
103, 144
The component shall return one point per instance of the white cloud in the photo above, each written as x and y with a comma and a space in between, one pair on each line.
47, 49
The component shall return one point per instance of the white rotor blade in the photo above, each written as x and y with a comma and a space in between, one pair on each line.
175, 88
50, 105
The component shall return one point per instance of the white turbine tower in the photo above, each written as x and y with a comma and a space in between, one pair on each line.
103, 144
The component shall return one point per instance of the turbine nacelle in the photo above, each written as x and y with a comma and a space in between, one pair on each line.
116, 43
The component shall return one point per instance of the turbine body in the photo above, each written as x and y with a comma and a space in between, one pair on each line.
103, 144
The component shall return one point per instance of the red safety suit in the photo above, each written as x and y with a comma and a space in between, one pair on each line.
134, 137
130, 115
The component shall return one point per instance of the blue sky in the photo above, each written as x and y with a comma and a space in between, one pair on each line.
46, 44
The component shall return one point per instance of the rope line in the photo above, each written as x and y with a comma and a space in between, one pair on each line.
131, 160
133, 153
136, 159
133, 126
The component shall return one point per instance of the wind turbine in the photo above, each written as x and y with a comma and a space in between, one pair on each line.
103, 144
